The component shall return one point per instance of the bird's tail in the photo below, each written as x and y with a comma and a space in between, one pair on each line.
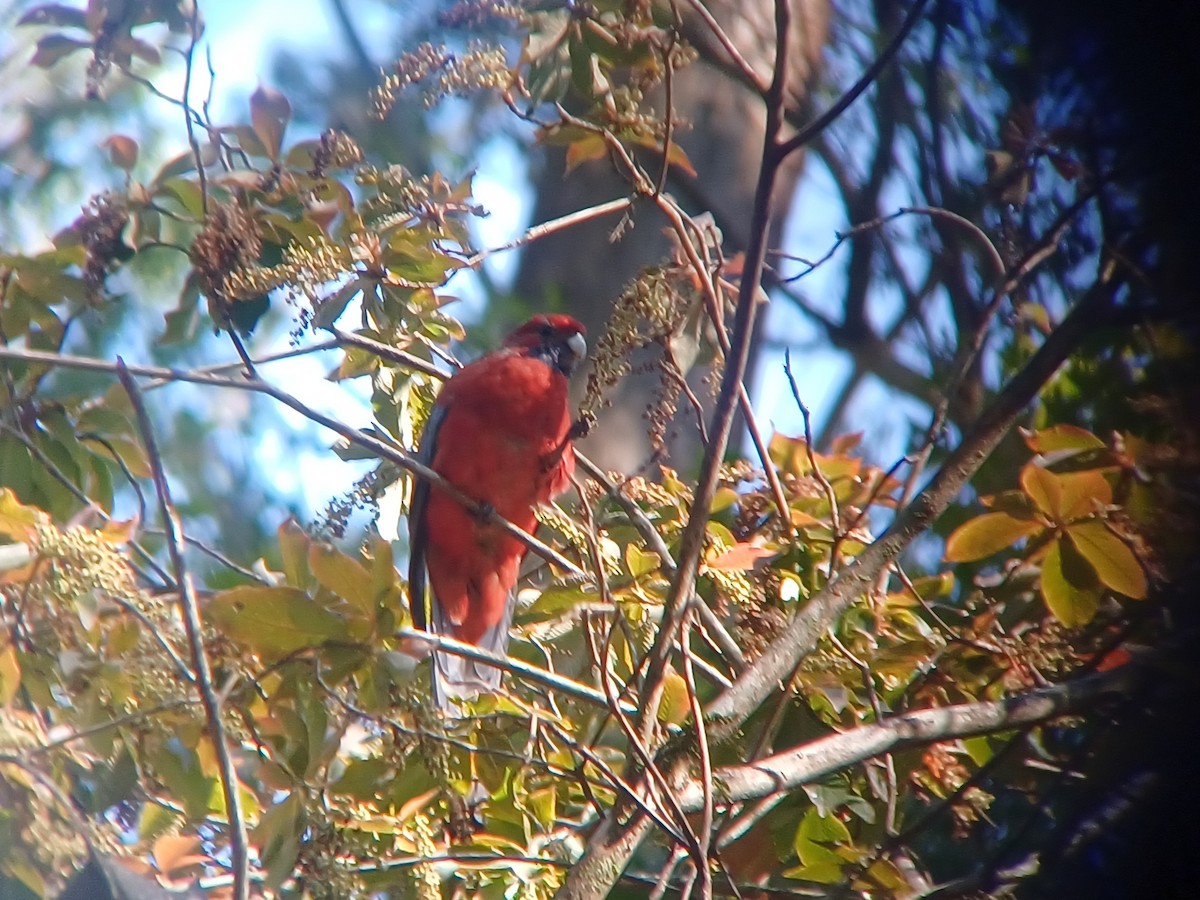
456, 677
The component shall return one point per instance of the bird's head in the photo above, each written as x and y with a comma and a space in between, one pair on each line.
555, 339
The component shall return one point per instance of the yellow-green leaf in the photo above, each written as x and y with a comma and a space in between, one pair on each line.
587, 148
16, 519
274, 619
1043, 488
1059, 438
674, 707
1115, 564
1069, 584
346, 577
155, 820
825, 829
641, 561
293, 547
555, 601
820, 873
1083, 492
10, 674
1065, 496
986, 534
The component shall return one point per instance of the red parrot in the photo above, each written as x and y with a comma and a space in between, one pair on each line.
501, 433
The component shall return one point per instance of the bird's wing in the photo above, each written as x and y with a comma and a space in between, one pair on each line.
418, 528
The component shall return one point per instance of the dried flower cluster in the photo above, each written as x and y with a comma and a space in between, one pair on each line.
100, 227
468, 14
337, 150
650, 311
442, 73
227, 247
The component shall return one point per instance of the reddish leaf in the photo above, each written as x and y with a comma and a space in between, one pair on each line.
270, 113
741, 557
587, 148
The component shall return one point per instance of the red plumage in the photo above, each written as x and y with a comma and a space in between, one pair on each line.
500, 433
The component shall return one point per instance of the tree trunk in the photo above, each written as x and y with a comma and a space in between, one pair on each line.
587, 268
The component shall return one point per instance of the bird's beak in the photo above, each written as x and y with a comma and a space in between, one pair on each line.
577, 345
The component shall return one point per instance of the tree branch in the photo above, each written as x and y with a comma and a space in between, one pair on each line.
190, 608
732, 707
812, 761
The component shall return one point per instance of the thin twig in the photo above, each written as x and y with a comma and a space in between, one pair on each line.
188, 113
384, 351
536, 232
517, 667
1093, 311
190, 608
823, 121
749, 76
101, 727
706, 768
835, 516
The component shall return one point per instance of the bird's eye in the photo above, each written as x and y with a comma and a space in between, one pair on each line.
547, 330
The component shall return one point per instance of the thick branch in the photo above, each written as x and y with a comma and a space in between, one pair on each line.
817, 759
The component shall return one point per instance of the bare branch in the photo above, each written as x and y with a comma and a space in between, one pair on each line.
827, 118
190, 608
817, 759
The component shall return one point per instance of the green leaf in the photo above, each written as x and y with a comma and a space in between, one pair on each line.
274, 619
824, 829
155, 820
986, 534
1069, 584
820, 873
543, 806
364, 779
1115, 564
182, 322
555, 601
979, 749
180, 771
675, 706
330, 309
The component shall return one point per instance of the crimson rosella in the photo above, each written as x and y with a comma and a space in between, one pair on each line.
501, 433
